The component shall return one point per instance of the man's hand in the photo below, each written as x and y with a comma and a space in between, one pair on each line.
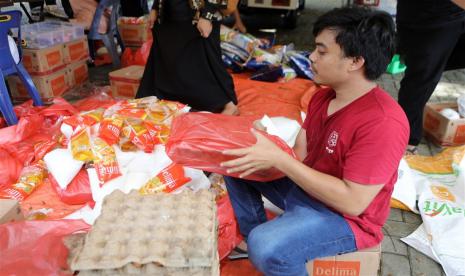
261, 156
205, 27
152, 18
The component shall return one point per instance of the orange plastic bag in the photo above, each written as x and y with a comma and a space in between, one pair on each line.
286, 99
44, 203
198, 139
36, 247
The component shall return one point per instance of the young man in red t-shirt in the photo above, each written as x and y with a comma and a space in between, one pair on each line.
336, 197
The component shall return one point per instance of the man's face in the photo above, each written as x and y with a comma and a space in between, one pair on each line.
329, 65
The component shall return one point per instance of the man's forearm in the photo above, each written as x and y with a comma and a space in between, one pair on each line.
460, 3
330, 190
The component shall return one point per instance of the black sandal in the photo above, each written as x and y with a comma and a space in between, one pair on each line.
238, 254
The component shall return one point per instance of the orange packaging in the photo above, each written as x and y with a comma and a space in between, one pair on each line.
139, 135
158, 133
166, 181
134, 32
49, 86
125, 82
30, 178
43, 61
76, 50
77, 73
105, 162
88, 118
81, 146
134, 113
358, 263
110, 129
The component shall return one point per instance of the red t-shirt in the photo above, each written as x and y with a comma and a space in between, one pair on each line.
362, 142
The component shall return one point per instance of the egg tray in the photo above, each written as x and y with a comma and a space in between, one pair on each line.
161, 234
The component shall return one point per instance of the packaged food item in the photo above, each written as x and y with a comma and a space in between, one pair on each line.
80, 145
105, 162
110, 129
168, 180
268, 74
30, 178
137, 133
238, 54
288, 73
87, 118
135, 113
157, 132
262, 55
231, 64
300, 64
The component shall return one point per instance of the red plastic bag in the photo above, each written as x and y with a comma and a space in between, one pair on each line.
78, 191
36, 247
26, 127
228, 229
198, 139
142, 54
101, 99
127, 58
10, 168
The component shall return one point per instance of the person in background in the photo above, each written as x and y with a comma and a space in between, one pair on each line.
336, 195
185, 62
431, 37
238, 24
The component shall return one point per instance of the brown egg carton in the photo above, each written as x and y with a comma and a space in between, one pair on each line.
160, 234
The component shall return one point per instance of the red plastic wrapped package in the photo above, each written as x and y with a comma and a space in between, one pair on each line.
228, 230
36, 247
197, 140
78, 191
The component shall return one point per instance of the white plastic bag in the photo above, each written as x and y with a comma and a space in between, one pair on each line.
61, 164
285, 128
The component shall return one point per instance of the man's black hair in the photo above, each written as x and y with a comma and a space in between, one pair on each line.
362, 33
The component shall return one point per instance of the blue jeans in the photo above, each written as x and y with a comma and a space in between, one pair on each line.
306, 230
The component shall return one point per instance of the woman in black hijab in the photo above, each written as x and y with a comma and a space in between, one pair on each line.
185, 62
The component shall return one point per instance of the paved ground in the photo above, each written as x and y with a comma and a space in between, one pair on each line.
398, 259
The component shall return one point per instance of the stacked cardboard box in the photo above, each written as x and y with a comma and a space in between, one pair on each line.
134, 31
10, 211
54, 70
125, 82
360, 263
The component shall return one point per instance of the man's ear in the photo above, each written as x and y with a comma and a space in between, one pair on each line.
357, 63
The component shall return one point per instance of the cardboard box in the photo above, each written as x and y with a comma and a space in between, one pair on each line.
49, 86
441, 129
10, 211
76, 50
43, 61
77, 72
360, 263
125, 82
134, 34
